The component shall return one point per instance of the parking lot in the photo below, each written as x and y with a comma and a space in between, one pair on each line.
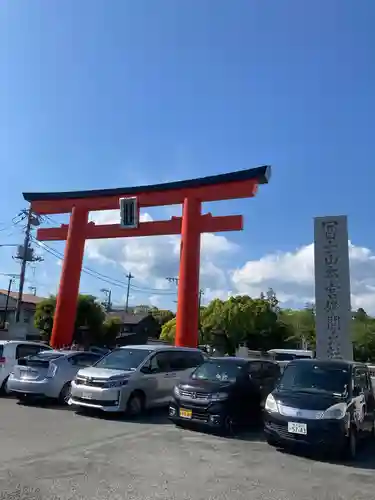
53, 453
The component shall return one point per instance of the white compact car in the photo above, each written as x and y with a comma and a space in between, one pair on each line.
132, 378
11, 351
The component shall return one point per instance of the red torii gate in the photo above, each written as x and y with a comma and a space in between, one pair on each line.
190, 193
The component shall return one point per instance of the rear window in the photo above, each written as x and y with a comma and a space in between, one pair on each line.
46, 356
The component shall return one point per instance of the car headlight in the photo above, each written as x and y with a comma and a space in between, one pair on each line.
271, 404
176, 390
219, 396
335, 412
116, 383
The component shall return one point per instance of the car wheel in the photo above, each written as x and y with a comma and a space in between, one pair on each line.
351, 447
65, 393
4, 388
228, 426
372, 435
23, 398
271, 441
136, 404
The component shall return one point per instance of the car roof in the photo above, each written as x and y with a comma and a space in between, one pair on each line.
158, 347
29, 342
237, 359
327, 362
229, 359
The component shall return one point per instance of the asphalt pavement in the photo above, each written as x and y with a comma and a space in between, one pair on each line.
52, 453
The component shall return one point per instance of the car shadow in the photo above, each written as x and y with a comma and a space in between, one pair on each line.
157, 416
365, 456
43, 403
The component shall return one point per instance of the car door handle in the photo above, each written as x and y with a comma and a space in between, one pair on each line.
170, 375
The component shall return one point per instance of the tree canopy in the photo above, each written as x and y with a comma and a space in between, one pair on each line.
90, 317
261, 324
91, 325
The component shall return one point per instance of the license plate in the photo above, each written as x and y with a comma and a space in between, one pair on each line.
296, 428
185, 413
87, 395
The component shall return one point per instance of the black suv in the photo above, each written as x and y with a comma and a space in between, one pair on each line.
326, 404
224, 392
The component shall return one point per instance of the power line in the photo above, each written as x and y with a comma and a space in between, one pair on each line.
100, 276
15, 221
85, 268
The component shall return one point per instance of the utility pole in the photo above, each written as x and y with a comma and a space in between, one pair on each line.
27, 256
201, 292
32, 290
129, 276
7, 300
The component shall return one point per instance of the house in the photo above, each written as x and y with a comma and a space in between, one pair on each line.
9, 329
135, 328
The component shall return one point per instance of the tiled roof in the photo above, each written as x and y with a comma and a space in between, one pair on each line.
27, 298
128, 318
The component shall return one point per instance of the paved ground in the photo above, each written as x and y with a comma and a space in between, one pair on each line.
51, 453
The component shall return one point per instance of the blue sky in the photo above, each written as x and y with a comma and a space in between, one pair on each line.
98, 94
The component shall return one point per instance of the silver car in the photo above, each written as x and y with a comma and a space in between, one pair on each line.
132, 378
48, 374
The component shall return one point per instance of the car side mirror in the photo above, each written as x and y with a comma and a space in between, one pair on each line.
146, 369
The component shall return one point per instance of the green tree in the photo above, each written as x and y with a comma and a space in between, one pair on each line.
111, 329
168, 331
89, 318
302, 326
43, 318
237, 320
162, 316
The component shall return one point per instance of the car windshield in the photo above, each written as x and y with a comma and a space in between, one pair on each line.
123, 359
219, 371
312, 377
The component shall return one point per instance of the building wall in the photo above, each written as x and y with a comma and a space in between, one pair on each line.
26, 324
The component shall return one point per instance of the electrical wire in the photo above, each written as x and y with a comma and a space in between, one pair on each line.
103, 277
15, 221
134, 287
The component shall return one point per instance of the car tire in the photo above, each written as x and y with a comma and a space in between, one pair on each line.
24, 398
4, 388
136, 404
271, 441
65, 393
351, 445
372, 434
228, 426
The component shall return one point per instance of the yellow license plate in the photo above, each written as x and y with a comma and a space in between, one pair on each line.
185, 413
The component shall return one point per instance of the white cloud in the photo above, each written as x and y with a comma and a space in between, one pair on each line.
153, 259
291, 275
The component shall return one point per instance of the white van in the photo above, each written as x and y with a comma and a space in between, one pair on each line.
132, 378
11, 351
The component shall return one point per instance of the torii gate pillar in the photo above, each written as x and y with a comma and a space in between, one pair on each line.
188, 283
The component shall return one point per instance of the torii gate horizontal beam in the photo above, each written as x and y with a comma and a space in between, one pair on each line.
206, 224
